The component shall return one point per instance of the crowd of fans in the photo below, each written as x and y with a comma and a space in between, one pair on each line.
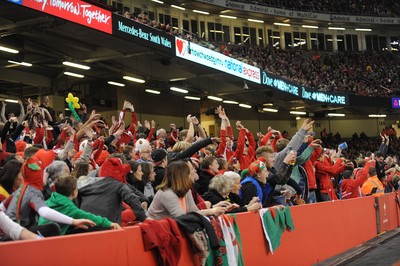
353, 7
361, 73
66, 176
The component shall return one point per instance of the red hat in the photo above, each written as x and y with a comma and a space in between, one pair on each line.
20, 145
257, 166
34, 167
113, 167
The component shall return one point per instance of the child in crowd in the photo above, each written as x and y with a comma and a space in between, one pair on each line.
62, 201
28, 202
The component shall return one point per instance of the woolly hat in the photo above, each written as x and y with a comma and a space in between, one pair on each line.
257, 166
20, 145
34, 167
140, 144
113, 167
158, 155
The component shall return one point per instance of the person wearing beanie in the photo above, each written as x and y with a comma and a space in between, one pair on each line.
144, 150
260, 182
159, 157
105, 194
28, 200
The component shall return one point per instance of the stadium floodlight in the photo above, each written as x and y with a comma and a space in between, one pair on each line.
245, 105
201, 12
336, 28
153, 91
178, 7
335, 114
282, 24
226, 16
76, 65
255, 20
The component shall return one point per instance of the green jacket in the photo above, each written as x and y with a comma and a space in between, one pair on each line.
66, 206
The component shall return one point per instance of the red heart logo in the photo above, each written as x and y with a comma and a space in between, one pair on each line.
180, 44
396, 103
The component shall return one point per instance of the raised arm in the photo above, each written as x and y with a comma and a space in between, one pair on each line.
21, 112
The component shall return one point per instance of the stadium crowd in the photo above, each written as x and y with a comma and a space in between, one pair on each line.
362, 73
353, 7
80, 174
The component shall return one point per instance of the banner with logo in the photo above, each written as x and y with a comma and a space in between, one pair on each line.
303, 92
143, 34
201, 55
74, 10
301, 14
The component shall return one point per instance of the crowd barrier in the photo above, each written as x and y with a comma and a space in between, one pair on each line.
322, 230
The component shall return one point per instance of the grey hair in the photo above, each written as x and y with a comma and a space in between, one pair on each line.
56, 169
221, 183
232, 175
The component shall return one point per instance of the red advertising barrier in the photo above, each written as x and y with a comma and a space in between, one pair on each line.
76, 11
322, 230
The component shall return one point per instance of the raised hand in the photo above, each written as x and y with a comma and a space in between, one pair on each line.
194, 120
307, 124
147, 124
316, 143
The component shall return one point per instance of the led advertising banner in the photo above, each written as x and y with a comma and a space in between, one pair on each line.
303, 92
143, 34
74, 10
396, 103
201, 55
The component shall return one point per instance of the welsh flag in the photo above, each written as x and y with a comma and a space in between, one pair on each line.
230, 251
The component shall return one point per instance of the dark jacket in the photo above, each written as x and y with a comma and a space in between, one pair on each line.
204, 180
189, 152
193, 221
214, 197
104, 198
159, 176
280, 177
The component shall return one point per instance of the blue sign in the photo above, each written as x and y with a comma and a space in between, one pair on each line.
396, 103
19, 2
303, 92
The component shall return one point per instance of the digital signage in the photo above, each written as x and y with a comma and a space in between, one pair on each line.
143, 34
303, 92
74, 10
19, 2
201, 55
395, 103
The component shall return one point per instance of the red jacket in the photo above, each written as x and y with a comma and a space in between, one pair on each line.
324, 171
267, 137
351, 187
165, 237
310, 169
244, 160
222, 151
